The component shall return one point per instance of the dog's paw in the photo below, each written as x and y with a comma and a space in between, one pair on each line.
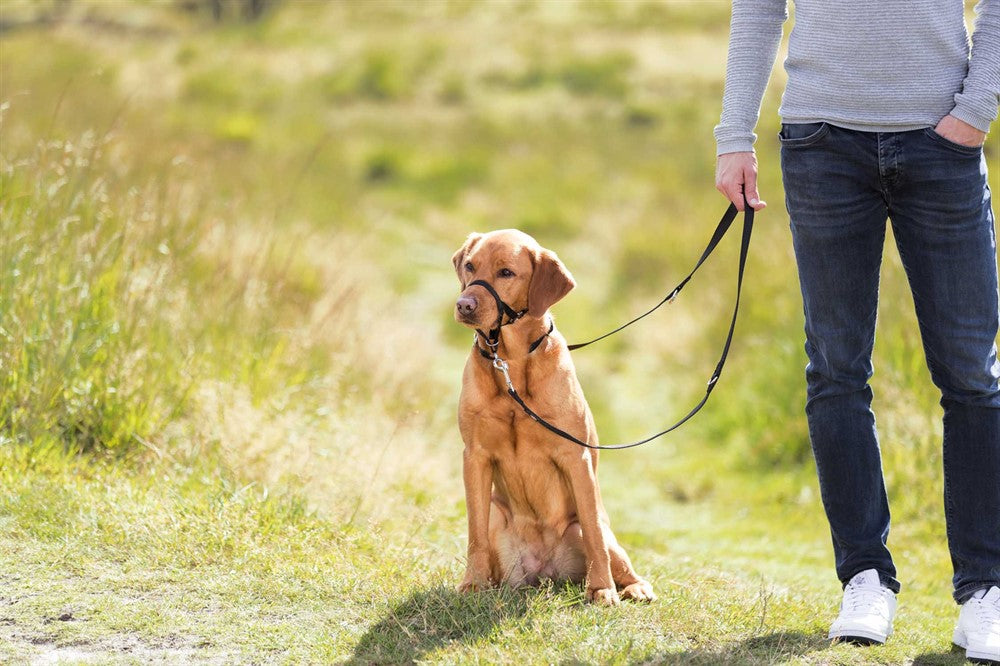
604, 596
473, 583
467, 586
639, 591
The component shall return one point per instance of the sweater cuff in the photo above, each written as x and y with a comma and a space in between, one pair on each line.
734, 146
969, 116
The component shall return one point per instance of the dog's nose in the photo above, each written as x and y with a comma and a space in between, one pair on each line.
466, 305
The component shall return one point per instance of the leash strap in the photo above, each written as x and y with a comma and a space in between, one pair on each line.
720, 231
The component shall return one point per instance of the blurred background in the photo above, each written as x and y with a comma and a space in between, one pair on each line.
225, 242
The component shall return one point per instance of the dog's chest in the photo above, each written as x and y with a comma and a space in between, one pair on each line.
530, 482
491, 419
505, 431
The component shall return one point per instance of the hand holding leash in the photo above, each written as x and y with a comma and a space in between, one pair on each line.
736, 178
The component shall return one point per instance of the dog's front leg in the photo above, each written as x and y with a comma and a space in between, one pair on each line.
477, 474
600, 585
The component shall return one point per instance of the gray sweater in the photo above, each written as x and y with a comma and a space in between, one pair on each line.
870, 65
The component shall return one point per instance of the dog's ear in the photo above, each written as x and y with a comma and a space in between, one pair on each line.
550, 281
458, 259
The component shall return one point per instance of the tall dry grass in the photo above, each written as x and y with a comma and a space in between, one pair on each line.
140, 319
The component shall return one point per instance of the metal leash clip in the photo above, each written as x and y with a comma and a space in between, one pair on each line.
502, 366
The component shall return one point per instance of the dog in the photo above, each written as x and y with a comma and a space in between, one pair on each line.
533, 501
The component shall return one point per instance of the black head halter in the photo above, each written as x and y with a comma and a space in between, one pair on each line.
492, 339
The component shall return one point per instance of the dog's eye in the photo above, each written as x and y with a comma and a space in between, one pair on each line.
505, 273
469, 267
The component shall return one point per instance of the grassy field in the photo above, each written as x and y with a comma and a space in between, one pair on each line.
229, 371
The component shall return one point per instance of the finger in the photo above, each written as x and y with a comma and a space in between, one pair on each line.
750, 189
755, 202
753, 198
734, 192
722, 184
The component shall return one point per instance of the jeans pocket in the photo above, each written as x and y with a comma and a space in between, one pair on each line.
951, 145
800, 135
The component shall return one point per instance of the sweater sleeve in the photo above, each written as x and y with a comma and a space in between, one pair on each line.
980, 96
754, 37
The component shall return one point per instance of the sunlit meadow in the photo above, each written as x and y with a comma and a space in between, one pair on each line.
229, 371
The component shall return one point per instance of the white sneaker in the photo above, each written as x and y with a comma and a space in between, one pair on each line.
866, 612
978, 629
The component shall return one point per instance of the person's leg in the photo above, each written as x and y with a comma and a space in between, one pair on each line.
838, 218
940, 209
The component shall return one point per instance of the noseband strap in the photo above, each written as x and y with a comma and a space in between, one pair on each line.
502, 308
492, 339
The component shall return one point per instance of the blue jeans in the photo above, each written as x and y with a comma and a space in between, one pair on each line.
841, 186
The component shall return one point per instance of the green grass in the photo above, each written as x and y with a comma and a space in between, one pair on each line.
187, 563
228, 368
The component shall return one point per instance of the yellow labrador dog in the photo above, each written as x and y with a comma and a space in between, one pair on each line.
534, 505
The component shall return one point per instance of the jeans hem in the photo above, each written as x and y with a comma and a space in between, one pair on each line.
965, 592
887, 581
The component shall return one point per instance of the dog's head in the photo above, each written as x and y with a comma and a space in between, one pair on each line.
524, 275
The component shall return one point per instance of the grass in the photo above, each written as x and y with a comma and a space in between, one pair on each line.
187, 563
229, 370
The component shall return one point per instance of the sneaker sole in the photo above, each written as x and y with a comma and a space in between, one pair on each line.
858, 637
975, 657
989, 661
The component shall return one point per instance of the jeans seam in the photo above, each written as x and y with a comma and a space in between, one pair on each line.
949, 510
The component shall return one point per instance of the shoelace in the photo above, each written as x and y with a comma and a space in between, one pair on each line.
864, 600
988, 614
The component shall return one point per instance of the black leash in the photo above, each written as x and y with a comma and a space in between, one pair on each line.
720, 231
